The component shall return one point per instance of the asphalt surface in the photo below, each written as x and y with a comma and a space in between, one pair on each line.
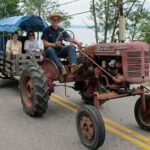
56, 130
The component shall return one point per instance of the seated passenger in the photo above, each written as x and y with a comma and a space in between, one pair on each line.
14, 46
31, 45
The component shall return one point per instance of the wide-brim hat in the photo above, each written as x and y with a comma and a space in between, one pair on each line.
49, 18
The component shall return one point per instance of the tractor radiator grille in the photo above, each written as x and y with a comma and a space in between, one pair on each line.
146, 63
134, 64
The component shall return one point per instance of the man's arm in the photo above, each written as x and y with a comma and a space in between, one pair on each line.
67, 36
75, 42
48, 44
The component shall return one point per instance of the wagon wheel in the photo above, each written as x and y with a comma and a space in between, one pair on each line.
143, 118
65, 41
34, 90
90, 127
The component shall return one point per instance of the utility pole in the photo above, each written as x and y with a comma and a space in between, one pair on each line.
95, 22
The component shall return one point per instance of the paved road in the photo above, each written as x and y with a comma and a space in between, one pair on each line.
56, 129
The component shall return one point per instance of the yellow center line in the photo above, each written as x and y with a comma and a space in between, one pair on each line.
146, 139
65, 105
65, 100
123, 135
135, 141
123, 128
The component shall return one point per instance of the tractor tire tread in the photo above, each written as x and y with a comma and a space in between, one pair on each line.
42, 91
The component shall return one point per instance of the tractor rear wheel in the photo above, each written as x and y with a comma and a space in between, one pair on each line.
90, 127
34, 90
143, 118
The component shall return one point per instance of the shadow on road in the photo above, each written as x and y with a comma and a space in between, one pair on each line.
8, 84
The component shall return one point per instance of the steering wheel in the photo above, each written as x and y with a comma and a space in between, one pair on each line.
65, 41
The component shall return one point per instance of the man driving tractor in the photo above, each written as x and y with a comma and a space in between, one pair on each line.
53, 46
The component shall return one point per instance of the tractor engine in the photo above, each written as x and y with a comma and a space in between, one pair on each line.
127, 60
117, 65
111, 68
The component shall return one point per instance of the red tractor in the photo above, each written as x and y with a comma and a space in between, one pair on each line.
108, 71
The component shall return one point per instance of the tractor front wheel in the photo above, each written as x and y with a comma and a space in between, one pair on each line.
34, 90
143, 118
90, 127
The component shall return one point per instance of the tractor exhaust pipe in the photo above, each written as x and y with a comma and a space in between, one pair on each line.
122, 36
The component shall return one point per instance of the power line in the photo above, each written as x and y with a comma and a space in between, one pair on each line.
58, 5
67, 3
92, 10
80, 13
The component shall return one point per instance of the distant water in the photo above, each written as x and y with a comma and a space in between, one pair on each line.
85, 35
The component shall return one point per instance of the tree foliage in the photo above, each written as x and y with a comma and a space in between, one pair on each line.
9, 8
137, 19
43, 8
138, 23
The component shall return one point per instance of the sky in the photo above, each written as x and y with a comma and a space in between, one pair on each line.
81, 6
77, 7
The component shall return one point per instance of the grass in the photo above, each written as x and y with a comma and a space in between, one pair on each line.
148, 82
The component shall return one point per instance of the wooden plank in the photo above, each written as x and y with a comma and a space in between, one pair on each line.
1, 62
8, 70
8, 64
2, 57
29, 60
17, 64
1, 53
9, 59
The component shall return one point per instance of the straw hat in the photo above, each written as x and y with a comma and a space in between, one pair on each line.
49, 18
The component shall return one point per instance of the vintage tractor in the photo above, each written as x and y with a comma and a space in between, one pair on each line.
108, 71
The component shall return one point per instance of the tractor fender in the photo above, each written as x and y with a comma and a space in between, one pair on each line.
51, 71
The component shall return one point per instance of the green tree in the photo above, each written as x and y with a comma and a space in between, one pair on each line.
9, 8
144, 32
108, 12
43, 8
138, 23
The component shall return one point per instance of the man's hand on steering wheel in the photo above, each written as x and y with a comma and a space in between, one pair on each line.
69, 40
58, 43
79, 44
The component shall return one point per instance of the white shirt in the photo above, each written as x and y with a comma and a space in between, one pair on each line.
33, 45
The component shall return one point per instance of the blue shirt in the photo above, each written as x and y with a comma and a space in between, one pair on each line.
50, 34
